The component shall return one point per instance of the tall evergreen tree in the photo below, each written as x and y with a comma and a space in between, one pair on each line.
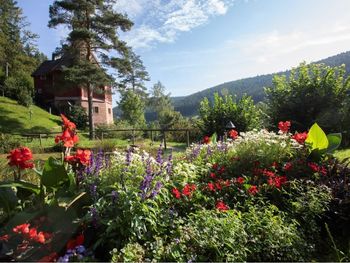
132, 73
93, 26
19, 55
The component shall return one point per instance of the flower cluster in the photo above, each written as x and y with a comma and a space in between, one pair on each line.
31, 233
68, 136
21, 157
187, 191
284, 126
81, 157
233, 134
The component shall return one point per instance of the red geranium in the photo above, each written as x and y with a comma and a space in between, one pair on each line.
221, 206
21, 157
240, 180
253, 190
4, 238
288, 166
21, 229
176, 193
277, 181
284, 126
189, 189
211, 187
215, 166
300, 137
206, 139
213, 175
233, 134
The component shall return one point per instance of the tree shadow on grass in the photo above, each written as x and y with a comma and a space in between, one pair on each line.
13, 125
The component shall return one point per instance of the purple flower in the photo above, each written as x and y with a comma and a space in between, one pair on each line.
169, 166
94, 216
156, 189
159, 158
93, 190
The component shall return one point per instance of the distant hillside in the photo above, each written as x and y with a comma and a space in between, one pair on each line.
15, 118
188, 105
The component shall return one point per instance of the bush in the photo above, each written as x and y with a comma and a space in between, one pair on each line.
312, 93
7, 143
214, 117
78, 115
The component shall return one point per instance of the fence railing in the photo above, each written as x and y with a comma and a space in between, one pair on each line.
101, 134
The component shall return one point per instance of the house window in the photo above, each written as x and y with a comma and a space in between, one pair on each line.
109, 110
96, 109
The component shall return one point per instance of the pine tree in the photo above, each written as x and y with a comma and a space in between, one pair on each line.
132, 73
19, 55
93, 26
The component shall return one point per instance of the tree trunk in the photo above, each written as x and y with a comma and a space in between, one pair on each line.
91, 120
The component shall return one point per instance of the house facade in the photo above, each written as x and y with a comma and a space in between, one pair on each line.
50, 94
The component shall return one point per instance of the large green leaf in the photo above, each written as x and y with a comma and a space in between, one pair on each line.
31, 187
54, 173
214, 138
317, 138
334, 140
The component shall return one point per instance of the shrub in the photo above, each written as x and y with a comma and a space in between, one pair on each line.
7, 143
215, 116
312, 93
79, 116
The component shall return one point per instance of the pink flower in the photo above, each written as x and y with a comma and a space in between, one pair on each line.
300, 137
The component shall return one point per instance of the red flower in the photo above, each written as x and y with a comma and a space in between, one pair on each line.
67, 123
21, 157
218, 185
4, 238
176, 193
227, 183
284, 126
32, 233
49, 258
213, 175
21, 229
81, 156
40, 238
253, 190
206, 139
240, 180
233, 134
314, 167
268, 173
222, 170
215, 166
300, 137
221, 206
211, 187
68, 137
277, 181
188, 189
288, 166
74, 242
274, 165
322, 170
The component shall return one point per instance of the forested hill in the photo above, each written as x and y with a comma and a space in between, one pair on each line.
254, 86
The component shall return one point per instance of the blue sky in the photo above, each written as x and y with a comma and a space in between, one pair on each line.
191, 45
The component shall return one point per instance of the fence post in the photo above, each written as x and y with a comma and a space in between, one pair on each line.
151, 136
188, 138
102, 136
164, 140
133, 137
40, 141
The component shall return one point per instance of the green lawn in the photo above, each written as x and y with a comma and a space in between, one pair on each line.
15, 118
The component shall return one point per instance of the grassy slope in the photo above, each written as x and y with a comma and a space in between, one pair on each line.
15, 118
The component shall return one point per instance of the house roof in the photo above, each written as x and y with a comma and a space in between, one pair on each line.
51, 65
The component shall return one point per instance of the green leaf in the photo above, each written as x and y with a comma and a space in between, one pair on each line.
213, 138
54, 173
317, 138
334, 140
31, 187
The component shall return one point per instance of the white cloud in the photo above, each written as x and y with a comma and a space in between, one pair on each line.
159, 22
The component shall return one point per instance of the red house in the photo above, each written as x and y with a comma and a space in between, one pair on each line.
48, 92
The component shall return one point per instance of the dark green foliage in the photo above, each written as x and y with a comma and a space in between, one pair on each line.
215, 116
19, 55
312, 93
78, 115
